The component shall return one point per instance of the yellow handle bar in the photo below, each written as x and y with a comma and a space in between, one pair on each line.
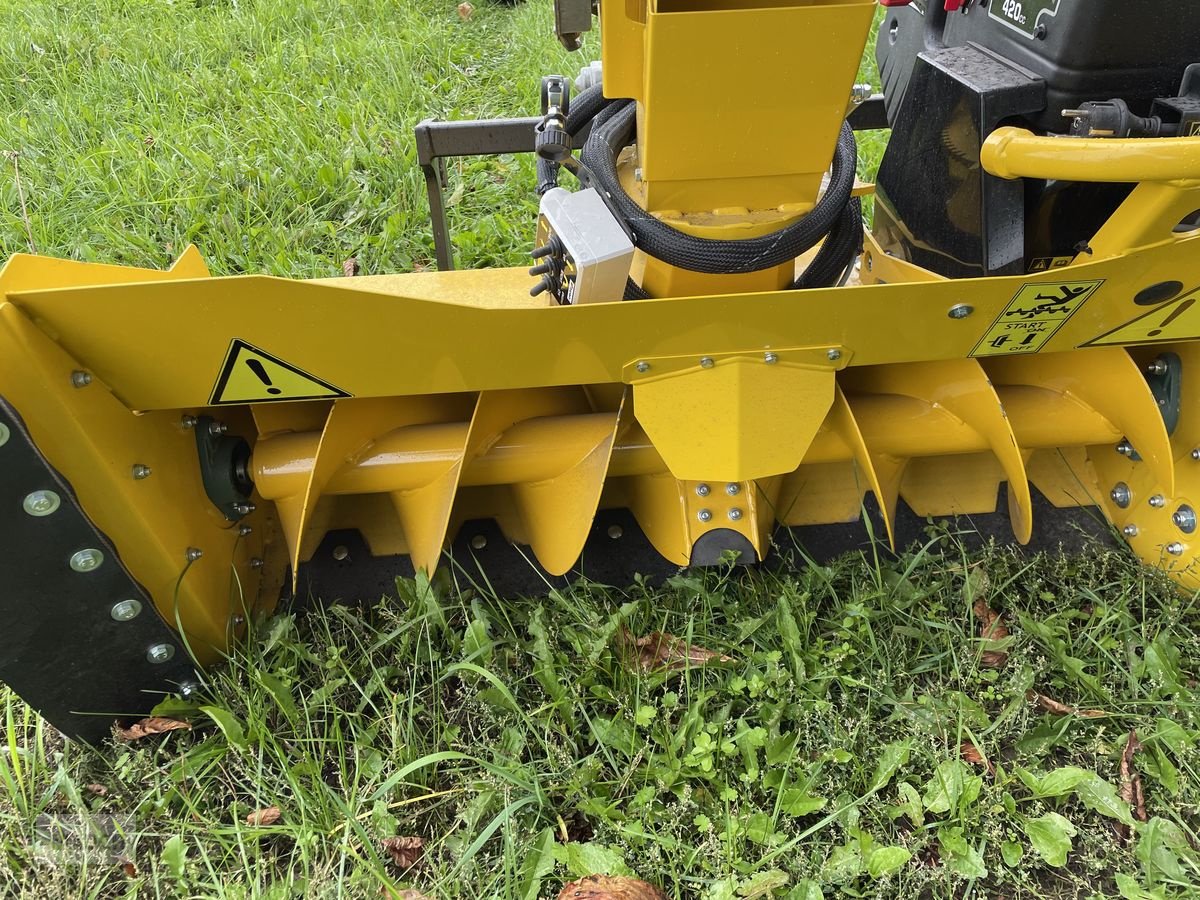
1016, 153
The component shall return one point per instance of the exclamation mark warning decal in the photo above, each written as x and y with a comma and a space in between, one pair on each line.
250, 374
260, 370
1178, 320
1179, 310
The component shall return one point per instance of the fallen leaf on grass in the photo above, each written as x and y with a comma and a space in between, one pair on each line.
152, 725
665, 652
465, 10
1061, 709
126, 865
604, 887
350, 267
992, 628
1131, 788
405, 852
98, 789
970, 753
262, 817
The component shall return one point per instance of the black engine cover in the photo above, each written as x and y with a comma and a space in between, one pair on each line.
1082, 49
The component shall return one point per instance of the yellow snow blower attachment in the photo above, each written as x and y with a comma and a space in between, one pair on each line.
713, 351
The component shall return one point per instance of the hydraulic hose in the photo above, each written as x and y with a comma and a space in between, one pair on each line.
613, 130
836, 218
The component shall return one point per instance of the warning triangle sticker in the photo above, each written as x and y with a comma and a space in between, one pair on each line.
252, 375
1178, 320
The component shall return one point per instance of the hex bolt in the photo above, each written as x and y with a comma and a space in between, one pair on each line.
706, 362
125, 610
41, 503
160, 653
1158, 501
1184, 519
140, 471
1158, 367
1125, 448
643, 366
256, 562
1130, 531
1175, 548
702, 490
217, 428
244, 531
193, 553
80, 378
733, 489
833, 355
1121, 495
86, 560
735, 514
244, 509
4, 434
960, 311
770, 358
187, 423
705, 515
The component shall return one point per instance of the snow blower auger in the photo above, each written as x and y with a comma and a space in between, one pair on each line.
1022, 321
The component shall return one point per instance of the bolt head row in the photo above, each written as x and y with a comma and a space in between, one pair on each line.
126, 610
160, 653
1121, 495
86, 560
41, 503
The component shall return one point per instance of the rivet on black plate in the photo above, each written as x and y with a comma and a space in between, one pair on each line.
1158, 293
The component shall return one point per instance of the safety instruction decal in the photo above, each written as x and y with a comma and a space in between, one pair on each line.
1034, 316
1175, 321
252, 375
1025, 16
1046, 263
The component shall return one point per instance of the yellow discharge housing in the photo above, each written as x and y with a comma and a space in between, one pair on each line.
738, 113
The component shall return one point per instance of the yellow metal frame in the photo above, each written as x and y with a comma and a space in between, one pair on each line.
732, 409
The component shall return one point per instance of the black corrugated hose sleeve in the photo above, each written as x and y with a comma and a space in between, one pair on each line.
613, 130
838, 252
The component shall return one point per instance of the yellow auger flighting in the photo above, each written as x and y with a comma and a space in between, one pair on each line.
712, 349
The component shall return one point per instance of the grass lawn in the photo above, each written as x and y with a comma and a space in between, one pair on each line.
868, 734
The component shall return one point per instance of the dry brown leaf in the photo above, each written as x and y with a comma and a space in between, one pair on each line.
98, 789
1061, 709
970, 753
350, 267
1131, 780
263, 817
405, 852
126, 865
604, 887
152, 725
465, 10
665, 652
992, 628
